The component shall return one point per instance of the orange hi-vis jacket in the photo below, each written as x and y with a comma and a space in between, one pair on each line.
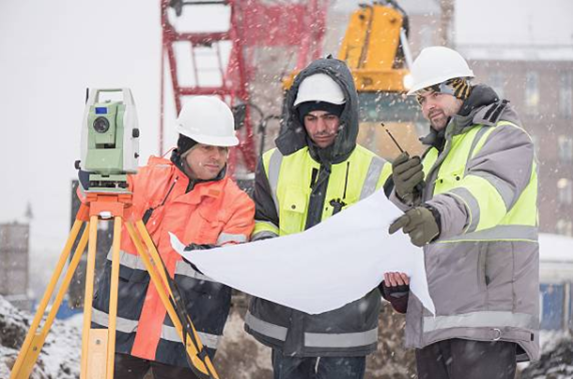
214, 212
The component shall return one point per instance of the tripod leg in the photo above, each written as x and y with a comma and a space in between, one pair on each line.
152, 260
34, 341
94, 343
113, 296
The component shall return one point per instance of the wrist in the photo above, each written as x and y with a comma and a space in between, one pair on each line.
437, 218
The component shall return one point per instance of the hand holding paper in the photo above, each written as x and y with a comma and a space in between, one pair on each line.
334, 263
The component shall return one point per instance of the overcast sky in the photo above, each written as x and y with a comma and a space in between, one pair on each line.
50, 51
514, 22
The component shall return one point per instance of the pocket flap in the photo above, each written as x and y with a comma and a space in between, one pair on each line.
295, 200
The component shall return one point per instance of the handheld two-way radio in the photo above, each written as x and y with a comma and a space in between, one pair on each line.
420, 186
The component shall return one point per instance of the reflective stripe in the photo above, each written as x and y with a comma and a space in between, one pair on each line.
506, 192
265, 328
228, 237
486, 319
499, 233
313, 339
332, 340
471, 203
123, 325
264, 234
476, 140
273, 174
482, 141
129, 260
372, 177
185, 269
266, 225
264, 229
169, 333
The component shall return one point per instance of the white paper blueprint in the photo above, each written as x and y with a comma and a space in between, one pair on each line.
334, 263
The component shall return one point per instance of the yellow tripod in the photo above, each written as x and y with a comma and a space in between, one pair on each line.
98, 345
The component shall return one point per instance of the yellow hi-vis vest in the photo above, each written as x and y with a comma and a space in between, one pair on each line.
290, 182
351, 330
484, 193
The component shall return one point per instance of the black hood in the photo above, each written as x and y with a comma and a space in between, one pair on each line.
294, 136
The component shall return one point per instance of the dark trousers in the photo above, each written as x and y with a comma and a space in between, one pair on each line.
464, 359
286, 367
130, 367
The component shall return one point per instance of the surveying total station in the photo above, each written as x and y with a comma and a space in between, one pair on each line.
110, 143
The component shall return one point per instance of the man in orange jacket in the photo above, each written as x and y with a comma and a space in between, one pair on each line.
190, 196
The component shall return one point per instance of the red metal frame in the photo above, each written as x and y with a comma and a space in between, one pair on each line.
253, 24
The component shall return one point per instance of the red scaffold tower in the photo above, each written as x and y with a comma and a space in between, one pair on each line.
250, 27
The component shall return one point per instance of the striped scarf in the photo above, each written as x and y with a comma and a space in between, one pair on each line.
457, 87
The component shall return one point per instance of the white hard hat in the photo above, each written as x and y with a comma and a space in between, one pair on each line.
435, 65
207, 120
319, 87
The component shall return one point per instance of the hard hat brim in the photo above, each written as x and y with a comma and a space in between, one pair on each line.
304, 99
428, 83
209, 140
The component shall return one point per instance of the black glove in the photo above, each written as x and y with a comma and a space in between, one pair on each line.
395, 291
408, 177
196, 246
421, 223
396, 295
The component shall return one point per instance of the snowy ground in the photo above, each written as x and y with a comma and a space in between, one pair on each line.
239, 356
549, 339
60, 357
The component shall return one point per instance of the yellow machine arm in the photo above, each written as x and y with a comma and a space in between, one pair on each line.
373, 48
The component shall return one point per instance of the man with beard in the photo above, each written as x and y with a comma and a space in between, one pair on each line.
476, 218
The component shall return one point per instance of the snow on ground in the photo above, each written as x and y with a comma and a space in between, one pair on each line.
5, 352
549, 339
555, 248
239, 355
60, 356
556, 363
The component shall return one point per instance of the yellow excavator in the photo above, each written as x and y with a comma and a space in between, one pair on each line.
375, 48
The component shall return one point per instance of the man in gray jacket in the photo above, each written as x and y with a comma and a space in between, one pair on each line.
471, 202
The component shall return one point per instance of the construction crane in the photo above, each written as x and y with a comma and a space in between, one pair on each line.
253, 27
375, 48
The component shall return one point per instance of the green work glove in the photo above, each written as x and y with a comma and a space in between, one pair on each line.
408, 177
420, 223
